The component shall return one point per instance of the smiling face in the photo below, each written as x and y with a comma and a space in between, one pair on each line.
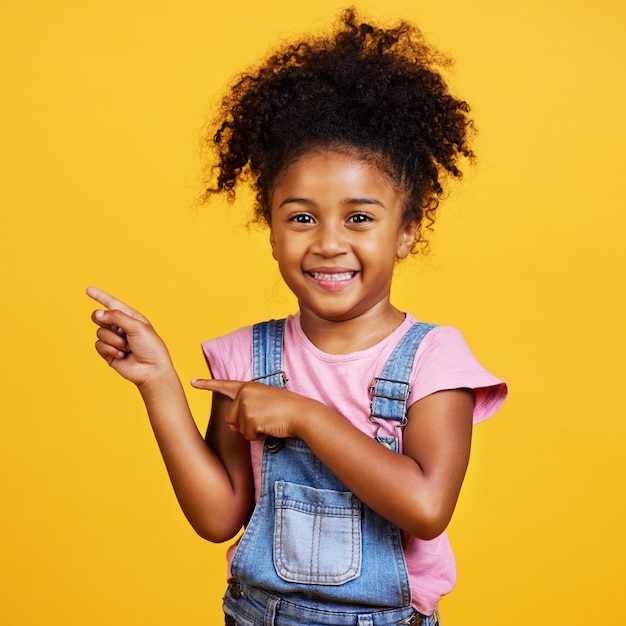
336, 232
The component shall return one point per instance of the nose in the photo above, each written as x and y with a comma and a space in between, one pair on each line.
330, 240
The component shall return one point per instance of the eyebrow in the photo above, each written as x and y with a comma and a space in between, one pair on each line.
372, 201
294, 200
349, 201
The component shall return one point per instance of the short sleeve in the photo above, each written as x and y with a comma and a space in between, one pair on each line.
230, 357
445, 361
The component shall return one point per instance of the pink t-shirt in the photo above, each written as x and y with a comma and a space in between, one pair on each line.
443, 361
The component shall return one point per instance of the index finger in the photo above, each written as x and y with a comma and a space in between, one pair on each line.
111, 303
228, 388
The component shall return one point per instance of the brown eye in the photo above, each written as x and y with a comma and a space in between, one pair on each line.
359, 218
301, 218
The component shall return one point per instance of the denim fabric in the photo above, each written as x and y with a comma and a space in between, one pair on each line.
260, 608
312, 552
391, 389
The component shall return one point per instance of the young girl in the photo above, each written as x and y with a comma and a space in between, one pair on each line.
338, 437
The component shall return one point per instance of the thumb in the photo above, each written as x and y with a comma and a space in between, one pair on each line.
228, 388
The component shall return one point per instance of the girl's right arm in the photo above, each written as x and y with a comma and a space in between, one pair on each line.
212, 478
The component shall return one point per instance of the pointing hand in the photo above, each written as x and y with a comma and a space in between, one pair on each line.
127, 341
257, 410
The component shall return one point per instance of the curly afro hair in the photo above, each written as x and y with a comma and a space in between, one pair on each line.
374, 92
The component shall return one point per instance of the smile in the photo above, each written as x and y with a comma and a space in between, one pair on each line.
333, 277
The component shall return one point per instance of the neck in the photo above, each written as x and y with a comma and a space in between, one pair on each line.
351, 335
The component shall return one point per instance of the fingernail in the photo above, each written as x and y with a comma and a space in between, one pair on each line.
99, 314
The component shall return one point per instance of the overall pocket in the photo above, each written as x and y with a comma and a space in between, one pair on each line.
317, 535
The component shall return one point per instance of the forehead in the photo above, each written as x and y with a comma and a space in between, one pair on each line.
335, 171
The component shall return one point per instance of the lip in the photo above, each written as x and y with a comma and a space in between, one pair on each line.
331, 278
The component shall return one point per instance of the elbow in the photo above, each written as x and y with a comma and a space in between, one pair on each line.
429, 522
213, 535
428, 532
215, 524
212, 531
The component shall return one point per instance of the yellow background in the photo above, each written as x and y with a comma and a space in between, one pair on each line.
101, 110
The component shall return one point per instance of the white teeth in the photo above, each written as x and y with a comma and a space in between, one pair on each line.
341, 276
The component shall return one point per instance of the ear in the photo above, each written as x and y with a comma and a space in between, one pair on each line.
406, 239
273, 244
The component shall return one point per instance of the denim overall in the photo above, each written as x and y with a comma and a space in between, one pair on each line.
312, 552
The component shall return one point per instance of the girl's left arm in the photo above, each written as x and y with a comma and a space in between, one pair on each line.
416, 490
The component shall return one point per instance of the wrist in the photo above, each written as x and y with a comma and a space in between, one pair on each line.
314, 417
160, 382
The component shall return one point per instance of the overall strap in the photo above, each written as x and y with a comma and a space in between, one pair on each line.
267, 352
391, 389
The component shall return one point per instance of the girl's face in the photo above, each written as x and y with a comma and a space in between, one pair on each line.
336, 232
